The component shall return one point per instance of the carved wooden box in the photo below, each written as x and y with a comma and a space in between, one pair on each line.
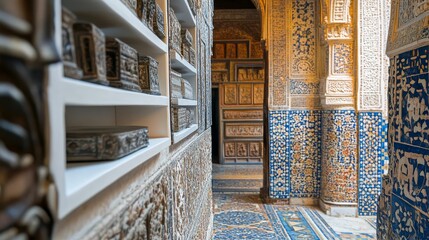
190, 116
142, 10
185, 51
90, 52
131, 4
179, 119
104, 143
187, 90
158, 24
187, 40
121, 65
176, 84
175, 32
148, 74
192, 56
187, 37
151, 9
69, 51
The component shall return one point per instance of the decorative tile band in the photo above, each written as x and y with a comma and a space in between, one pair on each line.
305, 153
339, 156
279, 164
372, 157
295, 143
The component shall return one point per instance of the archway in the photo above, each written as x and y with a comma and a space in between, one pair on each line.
238, 80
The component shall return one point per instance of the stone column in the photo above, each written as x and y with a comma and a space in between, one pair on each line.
339, 130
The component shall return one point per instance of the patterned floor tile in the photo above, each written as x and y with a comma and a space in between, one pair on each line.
245, 216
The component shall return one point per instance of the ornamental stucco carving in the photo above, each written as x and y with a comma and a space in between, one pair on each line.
409, 24
373, 61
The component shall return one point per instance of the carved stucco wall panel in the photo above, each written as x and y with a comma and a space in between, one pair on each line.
373, 61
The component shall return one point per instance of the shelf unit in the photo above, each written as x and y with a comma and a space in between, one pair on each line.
183, 102
78, 103
179, 136
179, 64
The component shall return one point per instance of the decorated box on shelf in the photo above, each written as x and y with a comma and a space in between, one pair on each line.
148, 75
90, 52
175, 32
187, 90
142, 10
192, 56
151, 9
69, 52
131, 4
104, 143
158, 24
176, 84
186, 44
180, 119
190, 116
121, 65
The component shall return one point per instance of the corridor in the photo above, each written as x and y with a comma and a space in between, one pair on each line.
245, 216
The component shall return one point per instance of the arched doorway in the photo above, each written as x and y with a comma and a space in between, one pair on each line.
238, 80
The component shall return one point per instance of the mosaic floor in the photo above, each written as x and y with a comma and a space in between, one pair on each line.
244, 216
237, 178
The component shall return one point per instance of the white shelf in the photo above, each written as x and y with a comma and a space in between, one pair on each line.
179, 64
84, 180
179, 136
116, 20
80, 93
183, 102
183, 13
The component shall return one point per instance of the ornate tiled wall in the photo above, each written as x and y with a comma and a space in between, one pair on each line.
372, 160
279, 166
403, 204
406, 214
305, 150
295, 143
339, 156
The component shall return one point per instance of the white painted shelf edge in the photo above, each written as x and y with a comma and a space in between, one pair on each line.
183, 13
80, 93
85, 180
179, 64
115, 10
179, 136
183, 102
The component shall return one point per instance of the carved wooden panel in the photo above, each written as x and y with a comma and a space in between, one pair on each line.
230, 94
249, 94
258, 94
243, 151
231, 49
245, 94
243, 130
240, 114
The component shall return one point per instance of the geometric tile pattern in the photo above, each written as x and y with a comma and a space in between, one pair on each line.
279, 164
305, 153
295, 153
371, 155
339, 156
406, 205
